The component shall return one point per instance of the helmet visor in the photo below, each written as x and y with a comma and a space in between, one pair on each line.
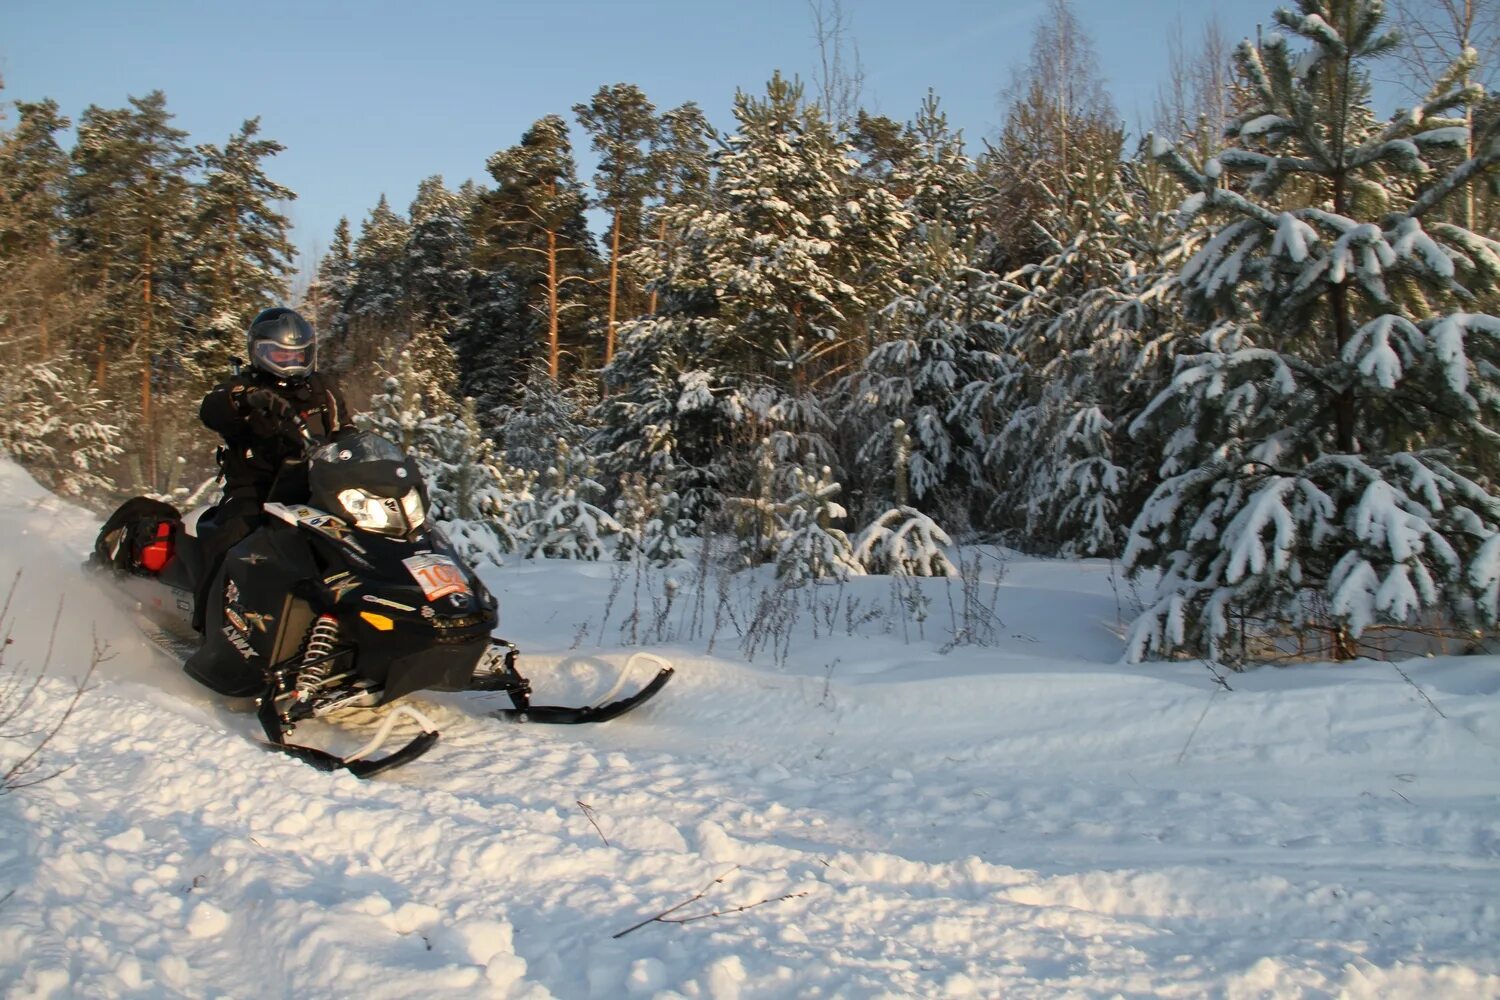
282, 359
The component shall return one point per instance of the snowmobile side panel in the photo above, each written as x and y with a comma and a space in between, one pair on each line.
247, 604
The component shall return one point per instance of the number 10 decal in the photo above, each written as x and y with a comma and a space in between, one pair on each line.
438, 576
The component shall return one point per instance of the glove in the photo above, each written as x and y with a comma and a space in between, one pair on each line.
267, 414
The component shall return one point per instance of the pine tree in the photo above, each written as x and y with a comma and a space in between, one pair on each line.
377, 307
681, 166
1057, 103
622, 123
1333, 439
39, 304
330, 290
533, 222
438, 253
129, 206
242, 248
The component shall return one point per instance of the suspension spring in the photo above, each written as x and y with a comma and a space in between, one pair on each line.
321, 639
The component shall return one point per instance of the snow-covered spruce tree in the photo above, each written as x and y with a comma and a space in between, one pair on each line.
328, 295
938, 338
471, 496
1091, 331
903, 541
808, 546
60, 429
438, 251
934, 337
563, 522
545, 412
765, 290
1332, 452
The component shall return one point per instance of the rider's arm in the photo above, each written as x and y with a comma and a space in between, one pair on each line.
336, 412
220, 411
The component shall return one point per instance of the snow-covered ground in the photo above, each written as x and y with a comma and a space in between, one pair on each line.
1022, 817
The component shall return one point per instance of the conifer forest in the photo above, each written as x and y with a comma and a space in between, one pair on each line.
1249, 350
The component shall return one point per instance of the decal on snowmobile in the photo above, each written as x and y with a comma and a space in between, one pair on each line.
389, 604
324, 523
259, 620
341, 587
254, 559
240, 644
231, 592
437, 575
235, 619
334, 528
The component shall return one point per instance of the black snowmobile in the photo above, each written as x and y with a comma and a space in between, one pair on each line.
346, 597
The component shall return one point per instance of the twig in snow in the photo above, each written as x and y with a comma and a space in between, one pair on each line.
6, 898
665, 916
1407, 678
1218, 677
588, 814
1201, 716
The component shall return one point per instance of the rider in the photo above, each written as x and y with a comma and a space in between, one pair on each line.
255, 412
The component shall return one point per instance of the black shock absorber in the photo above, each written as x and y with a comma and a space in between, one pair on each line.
316, 651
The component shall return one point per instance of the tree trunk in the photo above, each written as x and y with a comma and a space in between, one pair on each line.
614, 283
661, 237
149, 438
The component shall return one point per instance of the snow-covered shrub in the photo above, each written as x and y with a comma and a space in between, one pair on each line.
561, 522
808, 547
59, 429
651, 522
904, 542
566, 526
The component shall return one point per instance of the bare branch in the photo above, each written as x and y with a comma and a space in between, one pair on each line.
665, 916
588, 813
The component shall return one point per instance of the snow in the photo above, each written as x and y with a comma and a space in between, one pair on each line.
1026, 818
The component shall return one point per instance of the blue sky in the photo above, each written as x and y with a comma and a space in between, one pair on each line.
371, 97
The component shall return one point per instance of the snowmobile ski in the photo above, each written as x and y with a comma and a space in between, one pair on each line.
359, 763
497, 672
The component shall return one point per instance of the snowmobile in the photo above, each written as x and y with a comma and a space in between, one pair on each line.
347, 596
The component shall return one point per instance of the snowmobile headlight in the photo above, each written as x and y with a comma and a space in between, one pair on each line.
369, 512
411, 506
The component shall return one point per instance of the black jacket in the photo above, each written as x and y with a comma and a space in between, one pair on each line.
251, 457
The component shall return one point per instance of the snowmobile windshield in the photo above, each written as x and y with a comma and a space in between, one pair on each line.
360, 447
370, 482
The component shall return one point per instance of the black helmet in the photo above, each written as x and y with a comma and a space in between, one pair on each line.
282, 343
